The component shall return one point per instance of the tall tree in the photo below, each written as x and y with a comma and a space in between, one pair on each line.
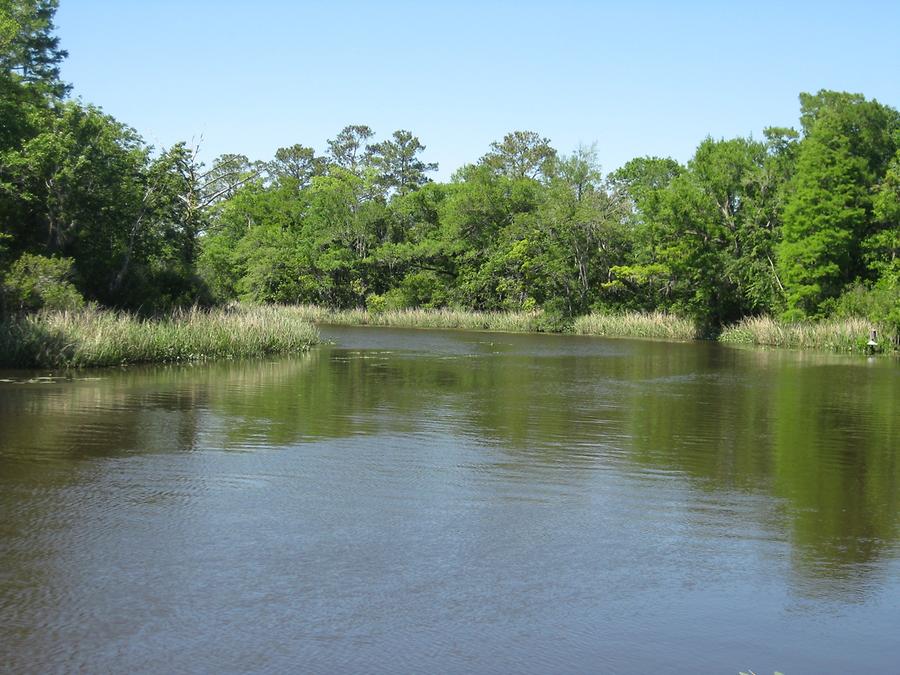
296, 163
883, 247
27, 44
521, 154
580, 170
847, 146
397, 162
348, 149
227, 175
643, 281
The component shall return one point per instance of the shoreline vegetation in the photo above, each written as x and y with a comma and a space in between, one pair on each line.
656, 325
438, 318
95, 337
848, 335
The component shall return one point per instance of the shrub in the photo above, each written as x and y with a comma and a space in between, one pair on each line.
424, 289
36, 282
880, 304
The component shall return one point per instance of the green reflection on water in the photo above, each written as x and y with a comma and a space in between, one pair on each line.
815, 434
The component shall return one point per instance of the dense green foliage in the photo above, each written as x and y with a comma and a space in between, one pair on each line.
803, 225
34, 282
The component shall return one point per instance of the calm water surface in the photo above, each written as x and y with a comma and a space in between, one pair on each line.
412, 501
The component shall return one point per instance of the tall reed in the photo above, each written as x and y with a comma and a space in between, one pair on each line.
630, 324
96, 337
637, 324
512, 322
839, 335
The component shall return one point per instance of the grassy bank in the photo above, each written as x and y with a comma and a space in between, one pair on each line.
95, 337
637, 324
837, 335
632, 324
513, 322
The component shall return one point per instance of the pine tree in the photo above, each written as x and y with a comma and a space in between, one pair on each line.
28, 47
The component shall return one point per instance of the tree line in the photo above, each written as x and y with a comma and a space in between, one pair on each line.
802, 223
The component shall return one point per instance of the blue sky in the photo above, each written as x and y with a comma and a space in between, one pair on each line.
639, 78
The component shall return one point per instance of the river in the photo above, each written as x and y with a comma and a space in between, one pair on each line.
455, 502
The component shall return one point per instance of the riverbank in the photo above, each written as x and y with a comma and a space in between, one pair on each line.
506, 322
95, 337
836, 335
630, 324
848, 335
657, 325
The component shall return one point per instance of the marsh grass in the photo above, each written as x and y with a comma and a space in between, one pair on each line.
96, 337
838, 335
632, 324
657, 325
511, 322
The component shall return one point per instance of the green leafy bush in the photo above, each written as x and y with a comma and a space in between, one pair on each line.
36, 282
880, 304
425, 289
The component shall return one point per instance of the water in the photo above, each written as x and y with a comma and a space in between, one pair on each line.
422, 501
